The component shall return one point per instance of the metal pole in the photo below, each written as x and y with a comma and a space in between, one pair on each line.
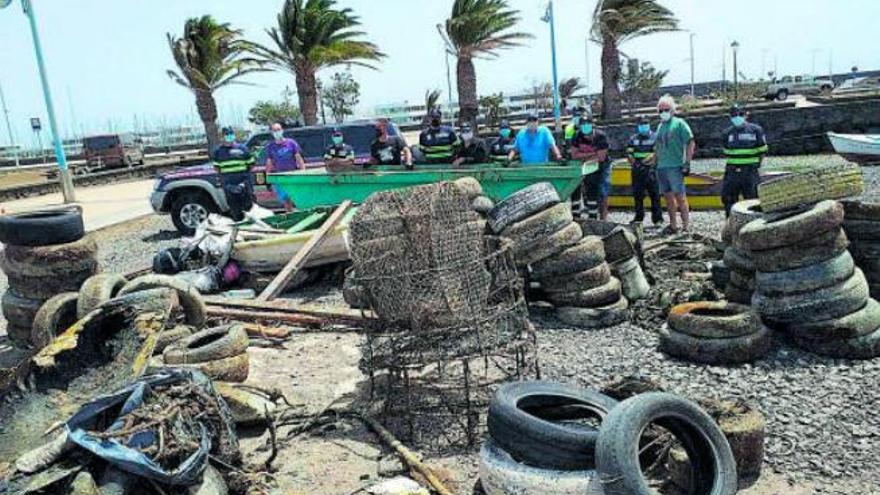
693, 93
9, 127
587, 65
448, 81
556, 113
724, 66
735, 77
66, 182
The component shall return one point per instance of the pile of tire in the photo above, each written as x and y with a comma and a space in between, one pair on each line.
715, 333
738, 261
861, 223
807, 284
553, 438
47, 253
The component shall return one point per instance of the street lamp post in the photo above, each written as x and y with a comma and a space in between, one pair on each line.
548, 18
693, 93
735, 47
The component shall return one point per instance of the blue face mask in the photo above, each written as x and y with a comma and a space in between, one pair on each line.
505, 133
738, 121
230, 138
337, 140
587, 128
644, 128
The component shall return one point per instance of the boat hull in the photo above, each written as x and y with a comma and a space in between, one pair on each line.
859, 148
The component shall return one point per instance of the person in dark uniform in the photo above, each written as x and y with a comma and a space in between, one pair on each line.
438, 142
500, 147
233, 162
591, 145
744, 148
640, 155
473, 149
338, 157
389, 150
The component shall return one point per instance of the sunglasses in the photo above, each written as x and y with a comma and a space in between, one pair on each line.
662, 110
738, 114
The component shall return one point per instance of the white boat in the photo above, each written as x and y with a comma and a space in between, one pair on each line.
859, 148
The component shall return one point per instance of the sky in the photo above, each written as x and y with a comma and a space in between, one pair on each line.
107, 59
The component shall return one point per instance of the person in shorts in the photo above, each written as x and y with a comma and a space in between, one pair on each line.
674, 150
283, 155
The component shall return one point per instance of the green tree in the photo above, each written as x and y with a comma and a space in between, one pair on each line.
568, 89
265, 113
615, 22
432, 101
312, 35
342, 95
640, 81
493, 106
478, 29
209, 56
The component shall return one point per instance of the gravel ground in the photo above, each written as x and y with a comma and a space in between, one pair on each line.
822, 420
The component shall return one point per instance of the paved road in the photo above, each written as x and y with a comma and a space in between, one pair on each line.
102, 205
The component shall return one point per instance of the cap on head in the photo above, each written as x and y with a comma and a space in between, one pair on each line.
641, 120
505, 124
532, 117
337, 131
435, 113
737, 109
227, 131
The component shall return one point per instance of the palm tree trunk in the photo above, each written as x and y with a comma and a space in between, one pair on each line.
307, 90
610, 80
467, 91
207, 109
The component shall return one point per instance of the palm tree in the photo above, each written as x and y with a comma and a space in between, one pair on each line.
209, 56
432, 99
616, 22
568, 88
478, 29
313, 35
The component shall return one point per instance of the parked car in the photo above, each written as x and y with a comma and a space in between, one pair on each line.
858, 85
113, 150
189, 194
798, 85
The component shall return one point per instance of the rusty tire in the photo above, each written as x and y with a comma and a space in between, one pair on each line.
710, 319
97, 290
733, 350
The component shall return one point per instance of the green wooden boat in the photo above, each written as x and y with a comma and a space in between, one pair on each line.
311, 189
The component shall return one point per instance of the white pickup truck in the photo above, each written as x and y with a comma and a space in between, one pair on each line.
798, 85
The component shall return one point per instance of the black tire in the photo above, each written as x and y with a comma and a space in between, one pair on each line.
864, 347
191, 301
54, 317
208, 345
540, 225
593, 318
50, 261
782, 95
823, 304
19, 337
763, 234
586, 254
853, 325
806, 279
619, 245
526, 254
593, 298
42, 227
736, 294
734, 350
617, 451
519, 423
501, 473
858, 210
822, 248
736, 260
97, 290
187, 207
862, 230
522, 204
827, 182
585, 280
714, 320
44, 287
168, 337
20, 311
720, 274
744, 280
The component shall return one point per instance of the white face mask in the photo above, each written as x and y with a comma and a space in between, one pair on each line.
665, 115
467, 136
278, 134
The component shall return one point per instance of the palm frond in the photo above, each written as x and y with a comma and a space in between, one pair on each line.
623, 20
479, 28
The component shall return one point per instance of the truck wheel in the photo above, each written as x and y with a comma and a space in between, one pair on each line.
189, 209
782, 95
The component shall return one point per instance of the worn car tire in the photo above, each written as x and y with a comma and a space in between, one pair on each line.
720, 274
703, 350
53, 318
806, 279
736, 294
857, 324
822, 248
763, 234
617, 451
20, 311
208, 345
190, 200
522, 204
828, 303
592, 298
191, 301
526, 254
862, 347
744, 280
736, 260
540, 225
50, 261
518, 423
593, 318
19, 336
742, 213
97, 290
168, 337
586, 254
859, 210
44, 287
713, 319
802, 188
42, 227
232, 369
585, 280
500, 474
862, 230
469, 186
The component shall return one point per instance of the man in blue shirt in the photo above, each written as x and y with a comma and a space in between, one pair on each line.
534, 144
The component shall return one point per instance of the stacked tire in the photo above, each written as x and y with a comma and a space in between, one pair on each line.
740, 267
715, 333
862, 226
46, 254
807, 284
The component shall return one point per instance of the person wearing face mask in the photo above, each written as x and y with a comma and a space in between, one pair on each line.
338, 157
572, 128
640, 155
283, 155
674, 150
744, 148
233, 162
534, 144
389, 150
499, 150
438, 142
591, 145
473, 149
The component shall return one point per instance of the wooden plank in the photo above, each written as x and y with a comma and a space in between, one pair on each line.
337, 314
299, 259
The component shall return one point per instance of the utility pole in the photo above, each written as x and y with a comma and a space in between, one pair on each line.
587, 73
9, 128
724, 66
735, 46
693, 93
548, 18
